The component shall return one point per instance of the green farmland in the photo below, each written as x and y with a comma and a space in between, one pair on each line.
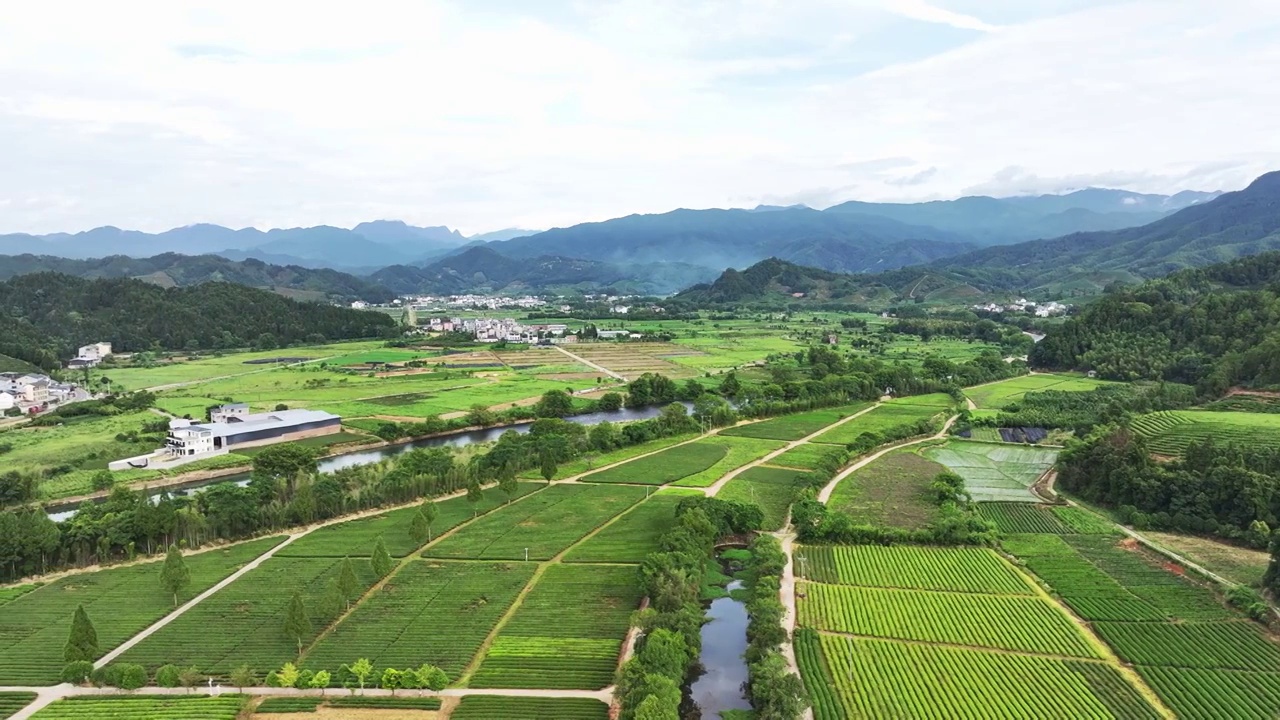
771, 488
890, 415
794, 427
995, 472
1170, 432
999, 394
891, 491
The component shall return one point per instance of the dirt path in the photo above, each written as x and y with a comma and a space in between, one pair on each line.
715, 487
827, 489
588, 363
787, 593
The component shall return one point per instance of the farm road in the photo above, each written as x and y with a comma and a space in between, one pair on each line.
830, 487
588, 363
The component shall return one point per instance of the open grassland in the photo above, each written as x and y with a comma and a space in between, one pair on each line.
588, 463
963, 569
1170, 432
794, 427
356, 538
889, 415
490, 707
248, 616
567, 633
12, 702
120, 602
430, 612
999, 394
634, 534
544, 524
664, 467
145, 707
741, 450
892, 491
1216, 694
1236, 564
887, 679
771, 488
995, 472
1006, 622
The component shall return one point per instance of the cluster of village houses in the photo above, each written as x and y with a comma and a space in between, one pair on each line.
1044, 309
489, 330
31, 392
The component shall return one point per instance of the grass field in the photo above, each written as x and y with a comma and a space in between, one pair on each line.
544, 524
1236, 564
963, 569
120, 602
1170, 432
889, 415
356, 538
893, 490
490, 707
145, 707
794, 427
664, 467
636, 533
432, 612
771, 488
540, 647
995, 472
249, 617
741, 450
999, 394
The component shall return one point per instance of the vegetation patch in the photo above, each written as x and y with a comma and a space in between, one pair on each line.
1197, 694
281, 705
771, 488
1013, 517
794, 427
664, 467
741, 451
12, 702
1234, 645
892, 491
634, 535
376, 702
960, 569
808, 456
145, 707
1170, 432
888, 416
1006, 392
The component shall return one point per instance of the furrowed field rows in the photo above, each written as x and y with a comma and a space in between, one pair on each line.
770, 488
636, 534
484, 707
120, 602
1171, 431
974, 570
567, 632
544, 524
1216, 694
11, 703
1023, 518
664, 467
794, 427
430, 612
805, 457
1169, 592
249, 617
356, 538
1234, 645
816, 675
887, 679
145, 707
1007, 622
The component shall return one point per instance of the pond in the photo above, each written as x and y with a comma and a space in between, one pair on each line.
724, 640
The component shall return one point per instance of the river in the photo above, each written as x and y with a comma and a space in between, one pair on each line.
355, 458
724, 640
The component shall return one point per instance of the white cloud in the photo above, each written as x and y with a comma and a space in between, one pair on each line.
490, 114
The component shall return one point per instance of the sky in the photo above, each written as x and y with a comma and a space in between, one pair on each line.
486, 114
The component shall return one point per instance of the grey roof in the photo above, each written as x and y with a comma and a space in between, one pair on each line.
273, 421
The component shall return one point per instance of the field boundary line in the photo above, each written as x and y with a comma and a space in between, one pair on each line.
824, 495
478, 659
593, 366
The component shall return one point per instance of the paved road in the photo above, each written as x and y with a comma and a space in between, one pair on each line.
825, 494
590, 364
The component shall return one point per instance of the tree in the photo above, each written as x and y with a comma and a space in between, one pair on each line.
1272, 579
190, 677
130, 676
554, 404
348, 583
609, 402
332, 602
77, 673
82, 641
361, 669
102, 480
320, 680
430, 677
392, 679
167, 676
508, 485
730, 386
380, 561
296, 623
282, 463
665, 653
419, 530
288, 675
243, 677
175, 576
429, 512
548, 467
657, 708
474, 496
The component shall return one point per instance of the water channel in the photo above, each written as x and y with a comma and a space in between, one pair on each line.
355, 458
724, 670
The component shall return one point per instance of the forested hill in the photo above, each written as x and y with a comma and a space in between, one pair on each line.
1214, 327
45, 316
172, 269
1232, 225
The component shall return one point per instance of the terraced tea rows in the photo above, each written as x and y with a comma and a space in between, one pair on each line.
144, 707
1235, 645
1023, 518
1170, 432
567, 633
481, 707
430, 612
11, 703
1217, 694
975, 570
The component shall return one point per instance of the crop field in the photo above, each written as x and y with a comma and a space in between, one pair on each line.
633, 359
892, 491
1232, 645
794, 427
12, 702
567, 632
1084, 522
430, 612
544, 524
1168, 591
803, 457
1171, 431
120, 602
1216, 694
1006, 392
1012, 517
741, 450
382, 702
144, 707
249, 617
588, 463
771, 488
955, 569
490, 707
1006, 622
889, 415
182, 370
636, 533
913, 350
887, 679
664, 467
995, 472
356, 538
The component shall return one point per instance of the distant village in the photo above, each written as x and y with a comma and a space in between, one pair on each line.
1045, 309
29, 393
492, 330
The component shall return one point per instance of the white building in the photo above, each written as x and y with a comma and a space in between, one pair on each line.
7, 401
26, 388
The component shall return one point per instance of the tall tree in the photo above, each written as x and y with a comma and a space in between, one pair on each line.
380, 561
348, 583
82, 641
175, 576
419, 531
508, 485
474, 496
297, 625
332, 602
430, 512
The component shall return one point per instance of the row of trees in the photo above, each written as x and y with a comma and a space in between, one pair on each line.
776, 693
